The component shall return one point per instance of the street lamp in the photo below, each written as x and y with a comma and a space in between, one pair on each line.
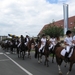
27, 33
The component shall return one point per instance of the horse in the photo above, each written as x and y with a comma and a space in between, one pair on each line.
22, 49
5, 46
46, 52
30, 45
13, 45
60, 58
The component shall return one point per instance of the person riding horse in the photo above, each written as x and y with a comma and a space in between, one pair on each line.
43, 42
21, 47
27, 39
65, 53
22, 42
52, 43
68, 41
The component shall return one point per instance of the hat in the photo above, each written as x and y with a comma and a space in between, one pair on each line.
26, 35
68, 32
43, 35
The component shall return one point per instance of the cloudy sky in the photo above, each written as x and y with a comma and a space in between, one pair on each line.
29, 16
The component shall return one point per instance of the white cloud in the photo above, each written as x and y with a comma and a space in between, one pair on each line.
21, 16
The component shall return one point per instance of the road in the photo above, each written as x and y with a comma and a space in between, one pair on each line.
10, 64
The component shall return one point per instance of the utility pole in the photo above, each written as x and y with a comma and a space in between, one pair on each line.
65, 14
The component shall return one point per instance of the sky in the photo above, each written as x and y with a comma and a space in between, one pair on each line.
27, 17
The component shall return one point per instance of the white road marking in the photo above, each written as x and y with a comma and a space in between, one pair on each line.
1, 52
19, 65
7, 52
4, 59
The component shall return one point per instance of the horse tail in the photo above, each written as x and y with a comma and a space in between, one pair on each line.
36, 52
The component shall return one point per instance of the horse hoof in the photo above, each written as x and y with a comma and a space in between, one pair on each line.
65, 66
47, 65
39, 62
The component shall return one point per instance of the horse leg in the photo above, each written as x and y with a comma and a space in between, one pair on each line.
41, 56
38, 58
12, 50
36, 52
23, 53
59, 63
53, 58
60, 73
18, 52
29, 54
47, 61
70, 68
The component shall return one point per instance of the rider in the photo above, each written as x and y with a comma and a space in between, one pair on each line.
37, 40
68, 41
21, 40
43, 42
52, 42
27, 40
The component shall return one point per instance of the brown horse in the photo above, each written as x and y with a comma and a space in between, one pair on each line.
46, 52
60, 58
30, 45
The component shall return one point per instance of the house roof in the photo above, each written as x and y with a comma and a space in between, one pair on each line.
60, 23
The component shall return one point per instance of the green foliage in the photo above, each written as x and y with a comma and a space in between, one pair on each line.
54, 31
6, 39
73, 31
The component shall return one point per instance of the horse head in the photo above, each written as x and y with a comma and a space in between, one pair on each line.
32, 43
47, 44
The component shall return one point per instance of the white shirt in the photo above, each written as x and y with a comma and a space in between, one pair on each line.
53, 41
20, 40
27, 39
43, 40
68, 40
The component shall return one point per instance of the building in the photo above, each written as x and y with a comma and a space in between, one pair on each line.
2, 37
60, 23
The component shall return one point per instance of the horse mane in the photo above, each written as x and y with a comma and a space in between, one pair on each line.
57, 45
32, 40
47, 45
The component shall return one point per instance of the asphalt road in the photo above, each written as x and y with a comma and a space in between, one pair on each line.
10, 64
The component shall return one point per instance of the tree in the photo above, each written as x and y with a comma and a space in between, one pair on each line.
54, 31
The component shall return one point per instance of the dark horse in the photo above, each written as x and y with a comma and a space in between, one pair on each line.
46, 52
26, 48
13, 45
21, 48
5, 46
60, 58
